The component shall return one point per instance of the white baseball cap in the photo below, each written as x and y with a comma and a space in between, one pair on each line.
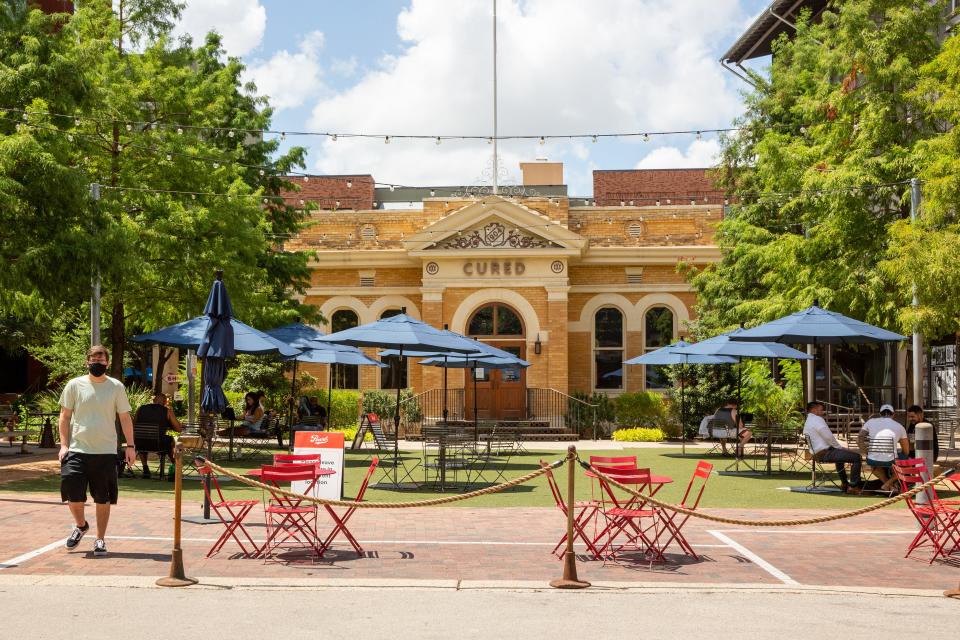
886, 407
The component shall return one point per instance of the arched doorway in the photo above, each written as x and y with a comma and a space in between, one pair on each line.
501, 394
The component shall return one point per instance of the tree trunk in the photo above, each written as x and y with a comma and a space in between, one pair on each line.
117, 340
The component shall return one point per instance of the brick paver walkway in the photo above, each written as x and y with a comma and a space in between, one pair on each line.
478, 544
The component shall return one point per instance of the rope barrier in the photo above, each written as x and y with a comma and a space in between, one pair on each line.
766, 523
382, 505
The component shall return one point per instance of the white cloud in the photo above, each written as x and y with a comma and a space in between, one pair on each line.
700, 153
345, 68
289, 79
565, 66
240, 22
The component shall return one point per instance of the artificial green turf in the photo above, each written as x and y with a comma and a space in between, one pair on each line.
762, 492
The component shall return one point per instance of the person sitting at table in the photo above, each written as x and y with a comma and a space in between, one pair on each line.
158, 412
915, 417
886, 428
253, 413
735, 428
826, 448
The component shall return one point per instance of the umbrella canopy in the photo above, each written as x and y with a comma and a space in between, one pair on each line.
479, 362
678, 353
296, 334
401, 332
190, 334
216, 346
818, 326
475, 347
336, 354
726, 344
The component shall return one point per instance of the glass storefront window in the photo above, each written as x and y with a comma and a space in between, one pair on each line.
608, 348
658, 332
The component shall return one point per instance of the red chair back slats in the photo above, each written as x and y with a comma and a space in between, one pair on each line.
627, 462
702, 472
296, 458
366, 479
288, 472
340, 525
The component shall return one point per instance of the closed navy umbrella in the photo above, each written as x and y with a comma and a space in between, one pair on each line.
216, 346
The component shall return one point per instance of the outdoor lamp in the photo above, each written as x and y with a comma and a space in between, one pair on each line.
536, 345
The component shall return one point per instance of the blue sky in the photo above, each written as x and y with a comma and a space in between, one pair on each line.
424, 67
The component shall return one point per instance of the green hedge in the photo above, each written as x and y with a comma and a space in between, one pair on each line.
639, 434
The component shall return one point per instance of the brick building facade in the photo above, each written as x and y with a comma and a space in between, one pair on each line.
575, 290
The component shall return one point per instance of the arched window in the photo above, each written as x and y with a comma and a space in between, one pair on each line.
657, 332
495, 320
608, 348
395, 375
345, 376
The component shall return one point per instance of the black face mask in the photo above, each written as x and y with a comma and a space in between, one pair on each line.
97, 369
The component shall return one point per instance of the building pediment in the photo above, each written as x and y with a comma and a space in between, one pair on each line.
495, 224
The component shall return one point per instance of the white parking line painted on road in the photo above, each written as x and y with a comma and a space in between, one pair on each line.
757, 560
504, 543
834, 532
13, 562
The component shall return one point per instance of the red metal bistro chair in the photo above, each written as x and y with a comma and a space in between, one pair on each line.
295, 458
341, 521
627, 517
673, 522
289, 519
586, 512
624, 462
237, 510
938, 522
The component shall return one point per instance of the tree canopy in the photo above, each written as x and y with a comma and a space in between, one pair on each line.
111, 99
819, 174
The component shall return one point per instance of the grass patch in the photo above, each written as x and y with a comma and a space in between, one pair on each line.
761, 492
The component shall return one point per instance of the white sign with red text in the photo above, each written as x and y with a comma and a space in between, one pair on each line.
329, 444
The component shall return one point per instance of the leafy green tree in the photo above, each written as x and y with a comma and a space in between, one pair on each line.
838, 116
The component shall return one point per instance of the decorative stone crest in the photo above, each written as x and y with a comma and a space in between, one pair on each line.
495, 235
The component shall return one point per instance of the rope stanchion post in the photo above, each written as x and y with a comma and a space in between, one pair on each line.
570, 579
177, 577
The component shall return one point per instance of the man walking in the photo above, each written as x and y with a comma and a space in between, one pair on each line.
89, 406
826, 448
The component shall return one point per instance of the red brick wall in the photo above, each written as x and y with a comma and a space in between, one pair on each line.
326, 191
53, 6
644, 186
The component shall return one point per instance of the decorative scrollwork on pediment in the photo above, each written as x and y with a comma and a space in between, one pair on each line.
495, 236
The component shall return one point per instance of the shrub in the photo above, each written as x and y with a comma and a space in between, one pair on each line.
641, 409
639, 434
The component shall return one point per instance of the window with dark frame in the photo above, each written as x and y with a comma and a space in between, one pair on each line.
608, 348
657, 333
395, 375
345, 376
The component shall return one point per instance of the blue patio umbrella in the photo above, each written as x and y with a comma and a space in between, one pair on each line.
403, 333
673, 354
475, 346
190, 334
216, 346
815, 325
474, 362
300, 336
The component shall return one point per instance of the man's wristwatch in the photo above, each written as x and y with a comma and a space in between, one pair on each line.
129, 446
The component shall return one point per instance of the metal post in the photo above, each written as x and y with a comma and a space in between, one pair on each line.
496, 168
810, 366
177, 577
570, 579
95, 286
191, 386
917, 338
923, 445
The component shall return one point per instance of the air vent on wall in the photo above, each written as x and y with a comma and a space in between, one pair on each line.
368, 232
634, 275
367, 281
634, 230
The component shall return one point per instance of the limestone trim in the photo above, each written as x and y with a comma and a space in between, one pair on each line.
361, 258
585, 323
703, 254
495, 209
362, 291
665, 287
384, 303
336, 303
520, 304
367, 314
675, 304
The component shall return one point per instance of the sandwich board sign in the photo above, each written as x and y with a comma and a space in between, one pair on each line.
329, 445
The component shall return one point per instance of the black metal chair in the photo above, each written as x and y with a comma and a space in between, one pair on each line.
147, 439
820, 474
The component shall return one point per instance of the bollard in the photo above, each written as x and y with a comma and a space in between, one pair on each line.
923, 448
569, 579
177, 577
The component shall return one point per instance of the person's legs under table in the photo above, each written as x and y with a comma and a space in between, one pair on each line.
841, 457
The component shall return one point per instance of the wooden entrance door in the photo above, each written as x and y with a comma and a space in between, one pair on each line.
501, 394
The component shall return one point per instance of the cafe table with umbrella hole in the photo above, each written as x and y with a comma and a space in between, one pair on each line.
403, 333
676, 354
479, 348
817, 326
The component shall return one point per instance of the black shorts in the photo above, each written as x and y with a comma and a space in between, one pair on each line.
96, 470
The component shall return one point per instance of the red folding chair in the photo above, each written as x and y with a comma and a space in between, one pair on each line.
586, 511
341, 521
627, 517
237, 511
289, 519
938, 522
624, 462
673, 522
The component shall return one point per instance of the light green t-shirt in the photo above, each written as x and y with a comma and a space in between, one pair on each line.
95, 406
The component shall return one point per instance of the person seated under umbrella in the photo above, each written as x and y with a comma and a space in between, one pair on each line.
729, 414
251, 419
880, 459
159, 413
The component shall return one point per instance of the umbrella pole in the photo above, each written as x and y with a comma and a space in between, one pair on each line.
476, 416
683, 412
211, 432
329, 396
396, 427
293, 387
444, 390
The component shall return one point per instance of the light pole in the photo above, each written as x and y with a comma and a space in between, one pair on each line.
95, 285
917, 338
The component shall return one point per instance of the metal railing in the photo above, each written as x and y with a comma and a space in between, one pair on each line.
562, 411
840, 417
430, 410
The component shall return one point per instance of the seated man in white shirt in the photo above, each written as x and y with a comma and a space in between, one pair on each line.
884, 428
826, 448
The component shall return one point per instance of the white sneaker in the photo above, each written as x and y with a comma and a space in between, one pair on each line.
99, 547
